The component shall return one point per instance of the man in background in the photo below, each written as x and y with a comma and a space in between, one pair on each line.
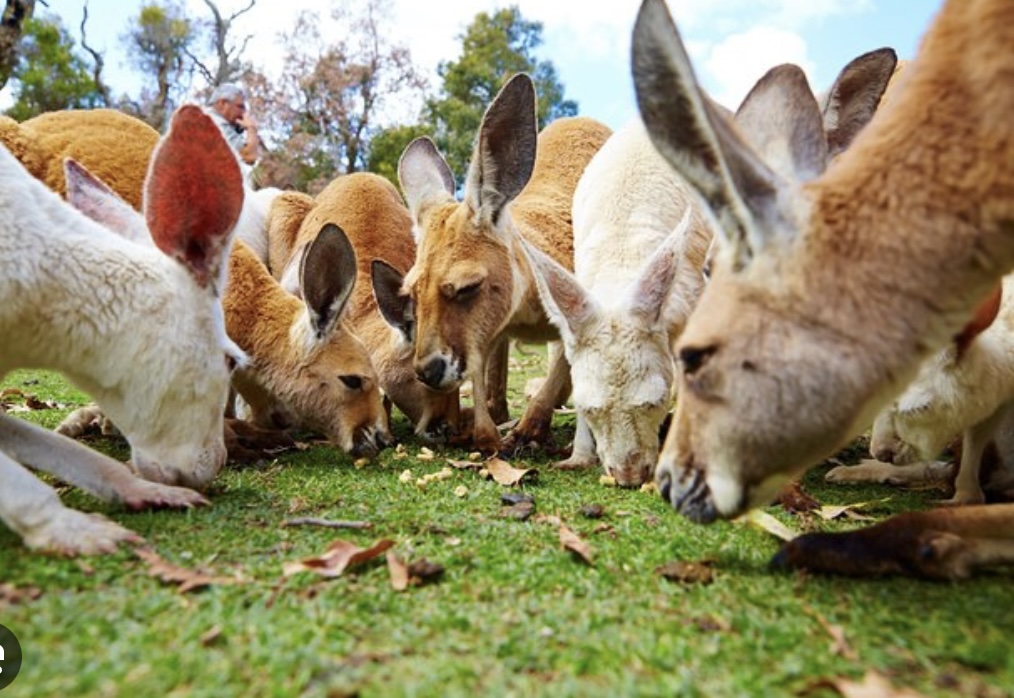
227, 107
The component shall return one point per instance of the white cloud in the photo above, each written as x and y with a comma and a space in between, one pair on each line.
729, 68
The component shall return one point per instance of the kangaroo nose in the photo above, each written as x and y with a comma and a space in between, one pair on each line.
432, 373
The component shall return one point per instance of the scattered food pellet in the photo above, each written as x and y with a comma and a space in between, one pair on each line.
406, 476
361, 462
443, 474
460, 491
426, 453
475, 456
649, 486
485, 474
607, 480
421, 483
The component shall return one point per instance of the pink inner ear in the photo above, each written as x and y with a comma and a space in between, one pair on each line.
984, 316
194, 190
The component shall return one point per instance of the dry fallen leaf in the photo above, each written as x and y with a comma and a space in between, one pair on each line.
14, 595
520, 511
506, 474
829, 511
873, 685
840, 646
766, 522
572, 542
340, 555
186, 579
398, 570
413, 574
687, 572
795, 501
211, 636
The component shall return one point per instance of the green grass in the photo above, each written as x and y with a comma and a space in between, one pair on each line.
513, 615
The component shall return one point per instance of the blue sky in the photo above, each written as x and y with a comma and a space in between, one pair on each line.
732, 42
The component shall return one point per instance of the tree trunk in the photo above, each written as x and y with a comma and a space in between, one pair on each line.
12, 25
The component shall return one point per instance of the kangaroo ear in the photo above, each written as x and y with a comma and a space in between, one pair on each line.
395, 306
855, 95
285, 217
704, 146
984, 316
193, 194
566, 303
668, 286
424, 175
780, 119
327, 275
504, 154
92, 197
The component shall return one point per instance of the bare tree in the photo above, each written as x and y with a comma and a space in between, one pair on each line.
229, 65
158, 45
331, 95
97, 59
12, 26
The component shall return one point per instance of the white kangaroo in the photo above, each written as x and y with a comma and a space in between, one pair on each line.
139, 329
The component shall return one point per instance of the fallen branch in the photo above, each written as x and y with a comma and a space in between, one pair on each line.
326, 523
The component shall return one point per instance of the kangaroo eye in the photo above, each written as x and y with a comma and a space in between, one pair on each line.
352, 382
692, 358
466, 292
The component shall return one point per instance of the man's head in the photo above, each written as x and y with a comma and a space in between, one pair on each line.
230, 101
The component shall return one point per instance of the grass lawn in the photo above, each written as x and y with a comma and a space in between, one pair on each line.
514, 614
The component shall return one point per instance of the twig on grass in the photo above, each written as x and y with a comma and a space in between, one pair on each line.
326, 523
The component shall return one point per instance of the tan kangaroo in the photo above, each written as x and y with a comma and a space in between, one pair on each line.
471, 285
807, 329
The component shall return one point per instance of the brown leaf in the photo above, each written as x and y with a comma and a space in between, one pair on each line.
873, 685
211, 636
687, 572
840, 646
520, 511
572, 542
506, 474
417, 573
465, 464
795, 500
338, 556
14, 595
592, 511
829, 511
398, 571
186, 579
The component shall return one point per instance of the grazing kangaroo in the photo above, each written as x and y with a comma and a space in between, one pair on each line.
139, 328
471, 286
781, 364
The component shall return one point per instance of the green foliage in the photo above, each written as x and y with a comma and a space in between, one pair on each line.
49, 75
158, 43
387, 146
494, 47
158, 39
